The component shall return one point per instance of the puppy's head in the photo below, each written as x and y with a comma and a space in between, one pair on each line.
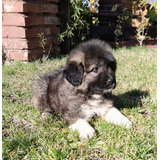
91, 67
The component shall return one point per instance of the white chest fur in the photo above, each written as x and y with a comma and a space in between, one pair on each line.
96, 105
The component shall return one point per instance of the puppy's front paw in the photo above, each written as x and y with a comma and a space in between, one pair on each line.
46, 115
126, 123
84, 129
87, 133
116, 117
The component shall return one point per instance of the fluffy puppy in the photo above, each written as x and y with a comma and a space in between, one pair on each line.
80, 89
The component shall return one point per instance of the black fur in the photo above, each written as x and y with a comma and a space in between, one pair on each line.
74, 73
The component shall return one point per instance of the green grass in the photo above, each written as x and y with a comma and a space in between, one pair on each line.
27, 136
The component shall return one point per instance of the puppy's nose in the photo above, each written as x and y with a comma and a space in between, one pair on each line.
110, 81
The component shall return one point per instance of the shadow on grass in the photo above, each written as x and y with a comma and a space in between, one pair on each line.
130, 99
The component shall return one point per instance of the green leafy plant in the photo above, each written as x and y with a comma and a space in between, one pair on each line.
121, 19
152, 10
119, 26
42, 42
78, 27
154, 5
147, 16
142, 29
145, 2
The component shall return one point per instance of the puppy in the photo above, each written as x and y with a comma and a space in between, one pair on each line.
80, 89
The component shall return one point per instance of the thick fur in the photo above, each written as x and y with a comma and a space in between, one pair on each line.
79, 89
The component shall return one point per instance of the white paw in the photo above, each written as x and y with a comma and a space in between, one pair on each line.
87, 133
84, 129
126, 123
116, 117
46, 115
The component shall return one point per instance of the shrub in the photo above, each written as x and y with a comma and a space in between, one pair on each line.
78, 27
147, 16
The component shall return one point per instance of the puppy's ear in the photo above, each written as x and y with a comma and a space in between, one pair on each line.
113, 65
112, 62
74, 73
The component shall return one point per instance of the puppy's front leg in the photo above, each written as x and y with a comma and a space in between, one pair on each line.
116, 117
84, 129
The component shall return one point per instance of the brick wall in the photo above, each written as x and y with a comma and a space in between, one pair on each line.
22, 21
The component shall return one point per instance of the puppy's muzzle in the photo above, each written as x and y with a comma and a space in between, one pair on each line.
110, 83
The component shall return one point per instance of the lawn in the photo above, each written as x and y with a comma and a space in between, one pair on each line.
27, 136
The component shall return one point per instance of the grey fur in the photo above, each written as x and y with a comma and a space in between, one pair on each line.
70, 90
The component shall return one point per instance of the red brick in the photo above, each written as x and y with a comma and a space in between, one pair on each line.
17, 55
13, 19
33, 8
35, 54
34, 20
23, 7
51, 40
56, 1
21, 44
13, 32
19, 39
22, 20
51, 20
23, 55
41, 20
33, 32
13, 43
51, 8
20, 6
52, 30
40, 8
48, 30
13, 6
26, 55
34, 43
21, 32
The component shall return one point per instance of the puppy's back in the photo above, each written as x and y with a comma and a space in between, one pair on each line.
40, 88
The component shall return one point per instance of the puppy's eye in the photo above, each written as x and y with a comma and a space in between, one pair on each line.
95, 69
